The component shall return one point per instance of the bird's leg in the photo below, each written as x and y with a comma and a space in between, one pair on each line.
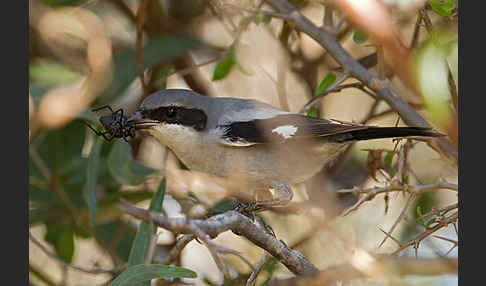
283, 195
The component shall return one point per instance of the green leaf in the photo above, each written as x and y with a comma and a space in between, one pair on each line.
154, 52
208, 282
359, 36
118, 235
47, 73
131, 196
139, 273
123, 168
62, 238
141, 243
262, 18
44, 197
42, 215
325, 83
312, 112
388, 160
158, 199
92, 177
224, 205
62, 145
224, 67
443, 8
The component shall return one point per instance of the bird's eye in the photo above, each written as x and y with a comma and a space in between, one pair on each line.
171, 112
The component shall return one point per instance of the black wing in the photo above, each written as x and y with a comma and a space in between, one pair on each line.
286, 127
281, 128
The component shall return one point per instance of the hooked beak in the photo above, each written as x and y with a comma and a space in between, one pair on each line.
141, 123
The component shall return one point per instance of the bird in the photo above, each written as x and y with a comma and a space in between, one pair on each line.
268, 147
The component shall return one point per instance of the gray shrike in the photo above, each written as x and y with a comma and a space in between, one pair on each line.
268, 147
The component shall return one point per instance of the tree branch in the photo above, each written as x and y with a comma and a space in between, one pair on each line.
351, 66
238, 223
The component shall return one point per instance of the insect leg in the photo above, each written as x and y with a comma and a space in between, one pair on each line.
103, 134
103, 107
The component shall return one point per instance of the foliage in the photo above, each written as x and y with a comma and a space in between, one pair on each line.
77, 180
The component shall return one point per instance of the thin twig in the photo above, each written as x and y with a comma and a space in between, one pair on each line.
236, 253
370, 193
151, 248
281, 85
435, 211
454, 242
334, 89
416, 241
140, 21
328, 17
410, 200
178, 247
55, 186
255, 11
253, 276
40, 275
416, 31
187, 70
64, 263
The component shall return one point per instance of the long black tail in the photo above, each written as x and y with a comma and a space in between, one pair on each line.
385, 132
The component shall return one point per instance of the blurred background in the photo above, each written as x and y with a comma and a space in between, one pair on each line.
86, 54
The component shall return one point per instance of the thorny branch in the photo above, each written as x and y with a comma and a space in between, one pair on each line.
230, 220
443, 222
370, 193
410, 200
351, 66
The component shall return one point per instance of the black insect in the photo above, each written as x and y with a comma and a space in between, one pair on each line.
116, 124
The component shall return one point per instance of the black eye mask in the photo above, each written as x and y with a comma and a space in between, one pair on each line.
191, 117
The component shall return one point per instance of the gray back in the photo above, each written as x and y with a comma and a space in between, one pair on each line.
220, 110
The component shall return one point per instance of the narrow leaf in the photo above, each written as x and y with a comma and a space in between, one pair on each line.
138, 273
154, 52
442, 8
92, 177
47, 73
62, 238
138, 252
224, 67
123, 168
325, 83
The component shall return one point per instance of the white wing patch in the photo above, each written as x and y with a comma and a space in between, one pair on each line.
236, 143
286, 131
